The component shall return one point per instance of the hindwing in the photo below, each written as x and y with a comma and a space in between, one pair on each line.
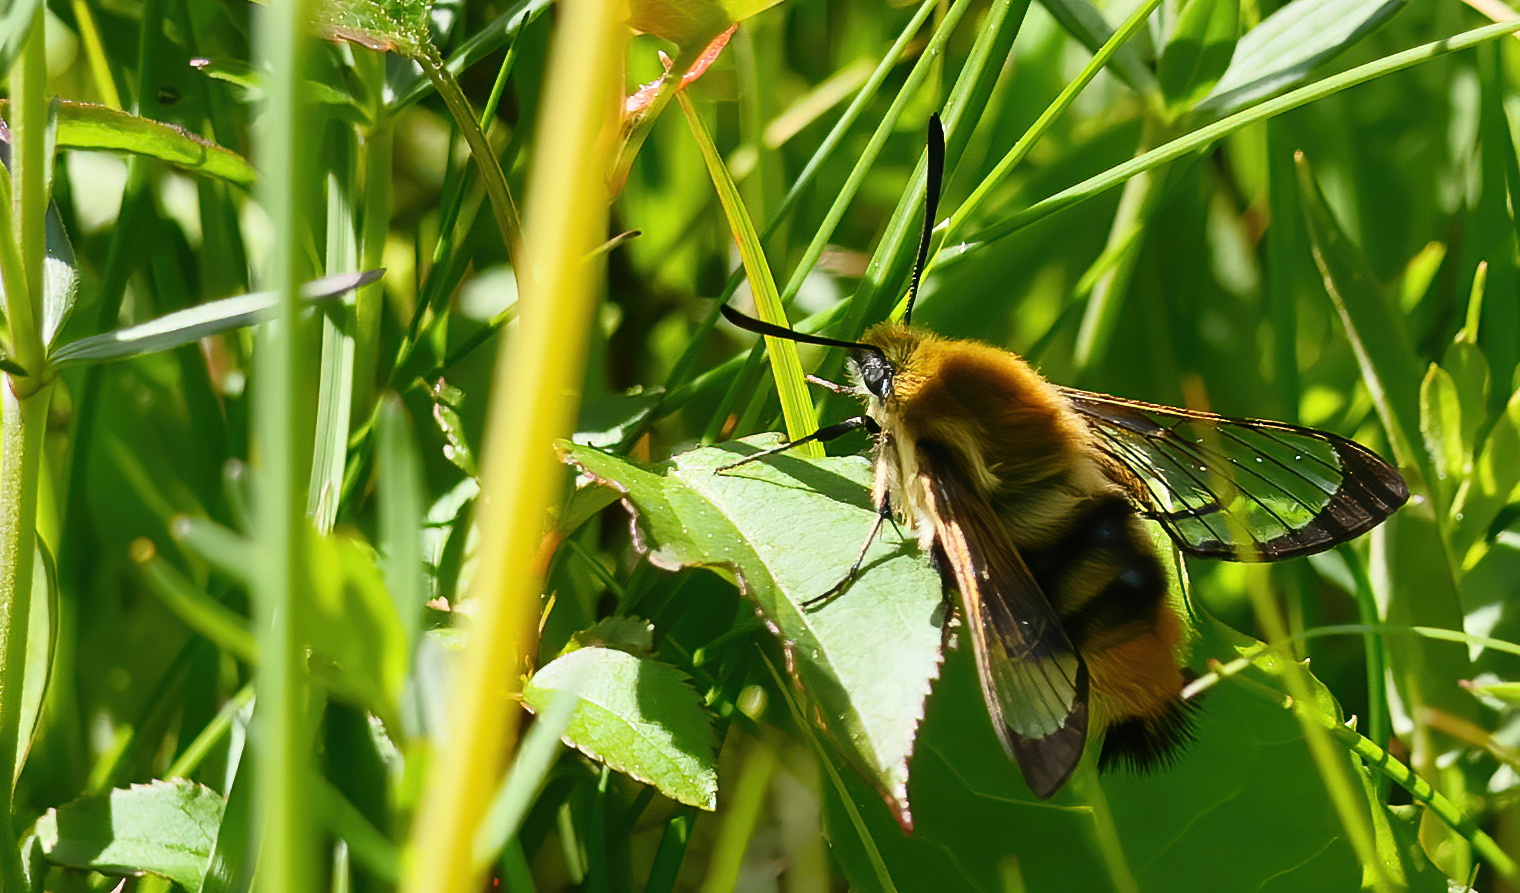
1241, 489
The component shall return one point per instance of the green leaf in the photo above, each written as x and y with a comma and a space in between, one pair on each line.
351, 620
1384, 350
1288, 44
197, 610
1087, 24
84, 125
60, 277
1441, 427
1496, 474
166, 828
457, 449
530, 770
605, 421
185, 326
387, 25
637, 715
1468, 368
790, 529
692, 24
15, 25
400, 486
41, 644
223, 548
1202, 43
786, 368
634, 635
1249, 767
1508, 692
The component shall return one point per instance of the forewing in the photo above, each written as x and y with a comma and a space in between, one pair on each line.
1242, 489
1033, 681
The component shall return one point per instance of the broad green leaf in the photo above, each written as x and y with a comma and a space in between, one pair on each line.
1199, 51
637, 715
388, 25
692, 24
1288, 44
634, 635
185, 326
790, 528
1496, 474
166, 828
83, 125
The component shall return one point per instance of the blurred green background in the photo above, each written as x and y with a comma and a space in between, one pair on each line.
1368, 287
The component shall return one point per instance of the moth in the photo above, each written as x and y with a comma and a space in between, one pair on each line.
1034, 499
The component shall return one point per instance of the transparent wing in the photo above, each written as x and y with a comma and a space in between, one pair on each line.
1033, 681
1238, 488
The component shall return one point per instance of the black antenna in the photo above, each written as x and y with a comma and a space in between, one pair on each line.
761, 327
932, 179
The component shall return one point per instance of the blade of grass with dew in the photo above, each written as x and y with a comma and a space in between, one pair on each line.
796, 405
567, 215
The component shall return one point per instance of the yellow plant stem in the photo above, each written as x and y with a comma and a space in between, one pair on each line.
534, 400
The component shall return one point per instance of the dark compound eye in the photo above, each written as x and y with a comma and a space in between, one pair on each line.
875, 374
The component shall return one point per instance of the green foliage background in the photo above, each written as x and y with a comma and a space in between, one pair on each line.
1342, 256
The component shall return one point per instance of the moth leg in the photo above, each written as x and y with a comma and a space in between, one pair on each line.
836, 388
828, 432
883, 514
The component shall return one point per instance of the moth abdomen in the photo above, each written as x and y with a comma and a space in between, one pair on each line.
1106, 581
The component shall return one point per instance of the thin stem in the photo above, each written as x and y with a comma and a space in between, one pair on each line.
491, 174
286, 860
23, 418
521, 480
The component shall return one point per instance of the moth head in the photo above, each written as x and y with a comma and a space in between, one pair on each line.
874, 371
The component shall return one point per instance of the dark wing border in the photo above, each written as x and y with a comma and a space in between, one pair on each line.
1034, 682
1136, 434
